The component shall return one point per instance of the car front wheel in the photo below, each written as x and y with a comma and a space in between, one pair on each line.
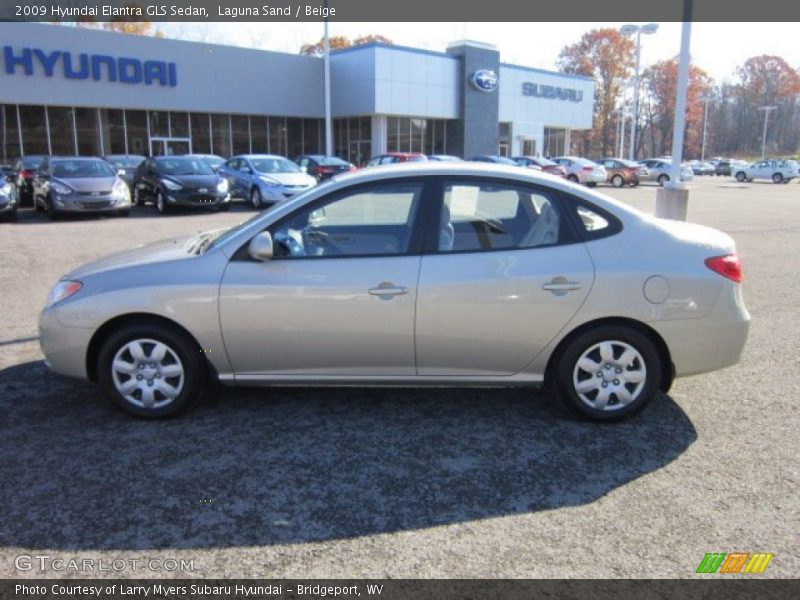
150, 370
161, 203
777, 178
617, 181
255, 198
608, 373
662, 179
740, 176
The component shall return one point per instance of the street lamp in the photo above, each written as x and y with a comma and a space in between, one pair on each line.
705, 99
767, 110
630, 29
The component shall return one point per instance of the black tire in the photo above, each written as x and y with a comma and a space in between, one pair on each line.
256, 200
741, 177
161, 203
591, 184
225, 207
618, 181
187, 351
36, 206
662, 179
573, 178
125, 212
52, 212
777, 178
138, 199
11, 217
566, 366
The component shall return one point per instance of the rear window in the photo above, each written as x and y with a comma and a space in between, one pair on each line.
332, 161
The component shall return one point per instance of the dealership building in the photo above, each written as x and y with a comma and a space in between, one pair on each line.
69, 90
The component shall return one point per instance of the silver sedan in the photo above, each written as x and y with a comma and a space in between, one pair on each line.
435, 274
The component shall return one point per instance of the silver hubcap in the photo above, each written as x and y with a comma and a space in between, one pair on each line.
255, 198
147, 373
609, 375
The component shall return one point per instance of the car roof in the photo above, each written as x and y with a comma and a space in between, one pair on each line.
260, 156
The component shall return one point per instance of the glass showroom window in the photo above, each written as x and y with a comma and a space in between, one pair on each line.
62, 136
259, 135
554, 142
136, 121
221, 134
240, 131
201, 133
34, 129
88, 130
277, 135
9, 133
179, 125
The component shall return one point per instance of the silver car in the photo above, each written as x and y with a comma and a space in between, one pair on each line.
777, 171
80, 185
659, 170
435, 274
582, 170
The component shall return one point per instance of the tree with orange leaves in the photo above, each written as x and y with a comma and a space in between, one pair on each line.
337, 42
609, 57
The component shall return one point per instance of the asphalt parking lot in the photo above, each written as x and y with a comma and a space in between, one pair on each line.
406, 483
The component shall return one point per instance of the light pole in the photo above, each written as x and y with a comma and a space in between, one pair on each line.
767, 110
630, 29
328, 122
705, 99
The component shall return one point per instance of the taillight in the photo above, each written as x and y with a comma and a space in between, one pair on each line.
588, 169
325, 169
27, 173
727, 266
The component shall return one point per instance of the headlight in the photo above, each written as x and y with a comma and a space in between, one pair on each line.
120, 188
60, 188
6, 189
222, 186
269, 180
171, 185
62, 290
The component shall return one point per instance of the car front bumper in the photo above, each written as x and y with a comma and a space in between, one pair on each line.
197, 199
77, 203
272, 194
64, 348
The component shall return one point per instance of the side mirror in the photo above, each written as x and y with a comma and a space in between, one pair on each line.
260, 247
121, 172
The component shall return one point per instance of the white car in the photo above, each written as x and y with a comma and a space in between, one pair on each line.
778, 171
659, 170
582, 170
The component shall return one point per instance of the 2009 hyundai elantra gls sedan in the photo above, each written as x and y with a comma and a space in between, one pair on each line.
441, 274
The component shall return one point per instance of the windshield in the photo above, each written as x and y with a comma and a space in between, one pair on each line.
125, 162
183, 166
32, 162
418, 158
82, 168
332, 161
274, 165
214, 161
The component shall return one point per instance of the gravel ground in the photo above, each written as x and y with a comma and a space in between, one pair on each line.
405, 483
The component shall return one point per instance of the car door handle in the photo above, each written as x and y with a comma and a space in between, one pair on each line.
386, 289
561, 284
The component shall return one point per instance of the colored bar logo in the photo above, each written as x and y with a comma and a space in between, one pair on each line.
734, 563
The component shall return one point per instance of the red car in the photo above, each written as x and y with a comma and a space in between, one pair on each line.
547, 166
391, 158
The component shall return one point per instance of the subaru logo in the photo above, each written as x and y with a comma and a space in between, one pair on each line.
484, 80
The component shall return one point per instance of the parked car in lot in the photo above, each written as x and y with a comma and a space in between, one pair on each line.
444, 158
494, 159
701, 168
621, 172
265, 179
430, 274
391, 158
323, 167
722, 166
659, 170
25, 169
543, 164
8, 173
8, 197
125, 165
777, 171
79, 184
179, 181
213, 161
582, 170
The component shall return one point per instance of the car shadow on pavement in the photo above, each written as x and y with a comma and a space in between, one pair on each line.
258, 467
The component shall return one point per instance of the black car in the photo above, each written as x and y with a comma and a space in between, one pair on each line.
127, 163
172, 181
323, 167
722, 167
214, 161
25, 169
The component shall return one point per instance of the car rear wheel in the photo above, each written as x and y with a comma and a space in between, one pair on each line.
608, 373
138, 199
617, 181
151, 371
52, 212
777, 178
573, 178
255, 198
741, 177
662, 179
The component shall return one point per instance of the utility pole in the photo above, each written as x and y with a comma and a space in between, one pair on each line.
328, 125
705, 99
630, 29
767, 110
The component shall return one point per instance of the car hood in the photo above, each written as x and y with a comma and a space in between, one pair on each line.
89, 184
291, 178
156, 252
194, 182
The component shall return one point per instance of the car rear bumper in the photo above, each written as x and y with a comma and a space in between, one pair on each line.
711, 342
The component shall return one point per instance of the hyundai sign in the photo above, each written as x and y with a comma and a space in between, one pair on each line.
484, 80
98, 67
